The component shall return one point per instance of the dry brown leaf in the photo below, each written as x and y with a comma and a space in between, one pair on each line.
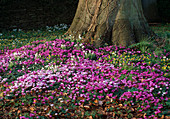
167, 117
64, 94
90, 117
32, 109
1, 94
162, 117
132, 109
107, 97
87, 107
113, 114
80, 98
144, 115
96, 101
120, 105
18, 111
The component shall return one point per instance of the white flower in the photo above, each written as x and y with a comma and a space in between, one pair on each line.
23, 68
5, 79
163, 93
51, 105
62, 46
116, 84
1, 34
101, 103
14, 29
151, 89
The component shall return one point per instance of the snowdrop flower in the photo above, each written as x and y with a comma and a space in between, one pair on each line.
101, 103
66, 110
115, 84
1, 34
36, 55
45, 108
23, 68
51, 105
151, 89
15, 53
163, 93
5, 79
159, 92
14, 29
156, 86
62, 46
80, 36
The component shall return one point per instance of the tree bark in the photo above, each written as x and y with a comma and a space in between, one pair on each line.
116, 22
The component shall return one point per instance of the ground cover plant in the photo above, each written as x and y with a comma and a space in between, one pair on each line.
45, 76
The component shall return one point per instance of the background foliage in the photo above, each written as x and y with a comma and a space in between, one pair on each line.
31, 14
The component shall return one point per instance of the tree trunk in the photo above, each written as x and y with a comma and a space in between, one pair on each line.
116, 22
150, 10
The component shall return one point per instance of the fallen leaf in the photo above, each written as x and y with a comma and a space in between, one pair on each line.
162, 117
80, 98
1, 94
167, 117
32, 109
18, 111
144, 115
120, 105
113, 114
96, 101
87, 107
90, 117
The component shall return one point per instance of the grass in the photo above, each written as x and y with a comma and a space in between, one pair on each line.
42, 76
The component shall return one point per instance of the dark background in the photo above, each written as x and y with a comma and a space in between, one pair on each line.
32, 14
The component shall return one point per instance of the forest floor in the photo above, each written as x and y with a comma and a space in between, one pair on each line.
43, 75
